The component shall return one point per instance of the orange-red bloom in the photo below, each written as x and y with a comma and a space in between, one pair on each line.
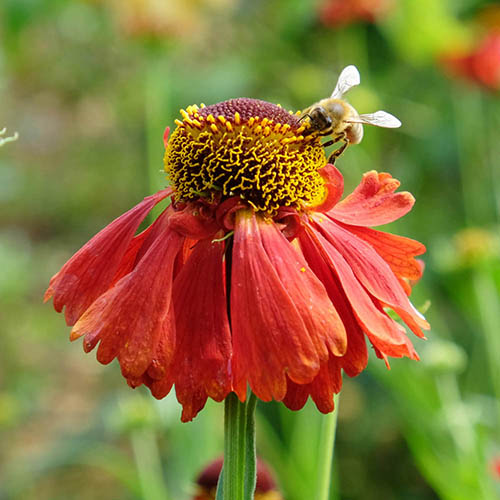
481, 64
255, 275
342, 12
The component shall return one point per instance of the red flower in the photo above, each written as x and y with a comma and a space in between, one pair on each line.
265, 488
495, 467
341, 12
256, 274
480, 65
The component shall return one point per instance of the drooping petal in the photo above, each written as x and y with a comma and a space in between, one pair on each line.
372, 272
90, 271
399, 252
355, 359
131, 318
383, 332
203, 351
138, 246
327, 382
373, 202
281, 317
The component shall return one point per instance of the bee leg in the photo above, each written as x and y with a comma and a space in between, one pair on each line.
329, 143
304, 116
338, 152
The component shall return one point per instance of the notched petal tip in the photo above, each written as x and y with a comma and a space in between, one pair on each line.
373, 202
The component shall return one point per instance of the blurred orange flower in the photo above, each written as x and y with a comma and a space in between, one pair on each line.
256, 274
341, 12
480, 65
158, 18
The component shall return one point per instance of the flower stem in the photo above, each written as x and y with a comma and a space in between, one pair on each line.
148, 461
326, 447
250, 452
238, 476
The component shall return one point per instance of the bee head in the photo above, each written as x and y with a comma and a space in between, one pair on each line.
320, 118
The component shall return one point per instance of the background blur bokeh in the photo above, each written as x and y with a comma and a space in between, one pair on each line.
90, 85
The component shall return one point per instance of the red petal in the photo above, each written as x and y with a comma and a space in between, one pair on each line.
138, 246
373, 202
131, 318
296, 395
372, 272
165, 136
356, 357
384, 333
327, 382
282, 319
397, 251
90, 272
203, 351
334, 185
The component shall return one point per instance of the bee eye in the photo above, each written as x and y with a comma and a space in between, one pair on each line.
320, 116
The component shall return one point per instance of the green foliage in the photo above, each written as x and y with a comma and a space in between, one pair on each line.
90, 96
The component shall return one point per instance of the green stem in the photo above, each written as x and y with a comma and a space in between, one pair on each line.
238, 476
250, 453
325, 458
147, 459
489, 310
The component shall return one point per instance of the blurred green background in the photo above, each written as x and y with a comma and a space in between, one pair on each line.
90, 85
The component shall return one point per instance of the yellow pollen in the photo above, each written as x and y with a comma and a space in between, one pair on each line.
197, 123
221, 119
251, 121
264, 122
300, 129
214, 128
237, 118
229, 126
211, 118
184, 114
302, 269
202, 105
267, 131
178, 122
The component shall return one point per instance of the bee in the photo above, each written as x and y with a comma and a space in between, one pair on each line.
336, 117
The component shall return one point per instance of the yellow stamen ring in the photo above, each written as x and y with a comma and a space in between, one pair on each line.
246, 148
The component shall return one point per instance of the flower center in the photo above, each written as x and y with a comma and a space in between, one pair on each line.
247, 148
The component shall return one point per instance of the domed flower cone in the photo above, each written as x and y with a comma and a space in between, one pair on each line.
256, 275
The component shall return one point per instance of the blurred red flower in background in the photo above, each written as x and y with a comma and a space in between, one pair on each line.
206, 483
342, 12
480, 64
256, 274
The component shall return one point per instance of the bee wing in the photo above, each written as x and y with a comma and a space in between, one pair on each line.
379, 119
348, 79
